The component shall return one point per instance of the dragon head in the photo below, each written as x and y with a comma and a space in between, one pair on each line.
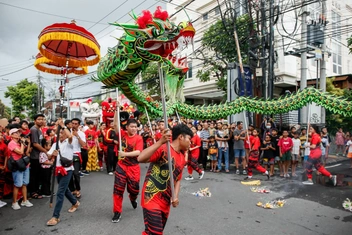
156, 38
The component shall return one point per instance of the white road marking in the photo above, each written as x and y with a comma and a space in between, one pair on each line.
327, 167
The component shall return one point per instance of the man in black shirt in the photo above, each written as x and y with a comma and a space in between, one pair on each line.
36, 140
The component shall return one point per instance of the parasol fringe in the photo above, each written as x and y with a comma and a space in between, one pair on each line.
43, 60
69, 37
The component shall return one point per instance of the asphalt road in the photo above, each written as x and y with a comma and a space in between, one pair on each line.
231, 209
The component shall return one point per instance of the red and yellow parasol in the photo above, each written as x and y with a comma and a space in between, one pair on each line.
62, 42
48, 66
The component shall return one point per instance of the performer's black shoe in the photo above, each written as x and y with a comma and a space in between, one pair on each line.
134, 204
116, 218
268, 177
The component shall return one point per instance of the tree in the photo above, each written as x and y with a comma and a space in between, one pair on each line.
335, 121
23, 94
219, 42
349, 44
150, 79
4, 111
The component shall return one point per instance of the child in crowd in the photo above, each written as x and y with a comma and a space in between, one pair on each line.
307, 149
324, 146
268, 154
213, 153
275, 140
253, 161
247, 143
285, 146
349, 149
303, 139
212, 129
295, 153
46, 167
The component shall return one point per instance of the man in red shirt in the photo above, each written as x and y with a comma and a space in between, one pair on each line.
161, 126
253, 160
285, 148
127, 168
193, 155
156, 193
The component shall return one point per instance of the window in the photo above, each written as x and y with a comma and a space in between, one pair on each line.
336, 58
205, 16
189, 73
336, 26
217, 10
241, 7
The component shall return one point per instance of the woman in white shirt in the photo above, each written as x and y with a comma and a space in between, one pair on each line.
63, 173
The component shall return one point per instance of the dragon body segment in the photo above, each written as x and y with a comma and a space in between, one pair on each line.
155, 39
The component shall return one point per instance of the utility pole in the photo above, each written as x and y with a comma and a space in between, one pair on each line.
304, 68
271, 51
38, 93
263, 59
322, 62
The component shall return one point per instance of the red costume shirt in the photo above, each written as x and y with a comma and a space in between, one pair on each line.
254, 142
3, 153
285, 144
316, 152
130, 144
158, 136
90, 137
156, 194
195, 141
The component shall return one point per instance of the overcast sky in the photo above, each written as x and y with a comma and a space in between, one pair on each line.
19, 30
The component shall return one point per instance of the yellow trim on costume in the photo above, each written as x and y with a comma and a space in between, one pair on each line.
69, 37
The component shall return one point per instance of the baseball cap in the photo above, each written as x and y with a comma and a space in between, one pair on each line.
13, 130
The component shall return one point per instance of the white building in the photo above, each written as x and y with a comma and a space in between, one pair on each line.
287, 38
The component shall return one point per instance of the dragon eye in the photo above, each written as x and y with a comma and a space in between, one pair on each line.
182, 25
156, 32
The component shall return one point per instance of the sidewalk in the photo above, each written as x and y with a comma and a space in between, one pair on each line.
333, 159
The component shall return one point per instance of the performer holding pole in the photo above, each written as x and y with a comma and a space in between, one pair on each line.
160, 190
314, 157
127, 173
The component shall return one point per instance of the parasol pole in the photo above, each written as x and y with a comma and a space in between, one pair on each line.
162, 87
62, 92
149, 123
118, 124
67, 88
54, 164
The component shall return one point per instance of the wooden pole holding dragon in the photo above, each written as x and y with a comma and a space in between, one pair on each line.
169, 159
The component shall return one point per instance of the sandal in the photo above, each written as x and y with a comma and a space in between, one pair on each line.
74, 207
53, 221
36, 196
78, 194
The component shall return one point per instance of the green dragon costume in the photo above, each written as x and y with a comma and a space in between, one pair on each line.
155, 39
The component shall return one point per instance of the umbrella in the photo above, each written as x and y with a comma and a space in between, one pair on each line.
48, 66
62, 41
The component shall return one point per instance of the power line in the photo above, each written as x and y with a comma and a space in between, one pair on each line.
45, 13
2, 75
107, 14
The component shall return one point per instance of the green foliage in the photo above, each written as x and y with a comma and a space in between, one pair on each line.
150, 79
335, 121
5, 111
349, 44
23, 94
219, 42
